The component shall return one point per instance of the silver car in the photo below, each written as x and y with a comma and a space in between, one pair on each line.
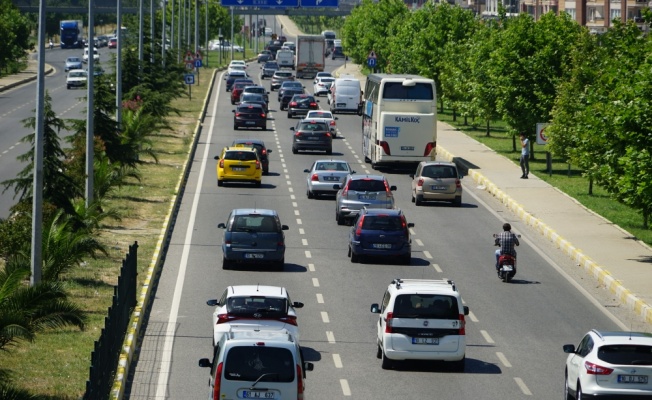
73, 63
358, 191
436, 181
323, 174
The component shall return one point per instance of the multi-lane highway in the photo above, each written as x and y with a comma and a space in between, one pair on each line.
19, 103
514, 332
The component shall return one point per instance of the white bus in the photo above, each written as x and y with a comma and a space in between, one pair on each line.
399, 119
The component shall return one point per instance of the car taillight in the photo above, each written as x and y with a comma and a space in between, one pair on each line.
595, 369
388, 191
237, 114
420, 182
404, 226
290, 319
327, 134
298, 134
218, 382
264, 152
262, 115
462, 330
345, 192
388, 322
293, 104
313, 104
358, 229
429, 148
299, 383
221, 163
314, 178
458, 184
222, 318
257, 164
332, 123
385, 147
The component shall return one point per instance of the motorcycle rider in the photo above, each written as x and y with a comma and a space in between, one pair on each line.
506, 240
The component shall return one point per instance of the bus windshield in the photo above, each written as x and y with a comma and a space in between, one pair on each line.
396, 91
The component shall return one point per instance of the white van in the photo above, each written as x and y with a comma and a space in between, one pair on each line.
345, 95
257, 364
285, 58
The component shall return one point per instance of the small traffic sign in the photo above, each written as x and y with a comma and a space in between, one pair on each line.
189, 79
371, 62
190, 65
189, 57
372, 54
198, 63
541, 134
260, 3
198, 55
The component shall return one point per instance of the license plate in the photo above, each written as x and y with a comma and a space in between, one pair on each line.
407, 148
341, 104
239, 168
632, 379
434, 187
382, 245
257, 394
331, 178
420, 340
254, 255
508, 268
366, 197
250, 122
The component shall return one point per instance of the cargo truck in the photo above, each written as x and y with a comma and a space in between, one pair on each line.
309, 56
71, 34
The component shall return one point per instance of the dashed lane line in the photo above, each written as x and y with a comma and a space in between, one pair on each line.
486, 336
472, 317
427, 255
330, 337
346, 390
324, 317
503, 360
320, 298
337, 361
315, 282
308, 254
437, 268
523, 386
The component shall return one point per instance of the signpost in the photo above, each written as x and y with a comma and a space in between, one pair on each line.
262, 3
197, 64
543, 139
189, 79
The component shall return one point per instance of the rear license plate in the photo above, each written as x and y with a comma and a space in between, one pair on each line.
341, 104
632, 379
366, 197
382, 245
434, 187
419, 340
239, 168
250, 122
331, 178
407, 148
257, 394
508, 268
254, 255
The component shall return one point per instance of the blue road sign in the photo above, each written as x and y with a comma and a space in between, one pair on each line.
198, 63
261, 3
371, 62
319, 3
189, 79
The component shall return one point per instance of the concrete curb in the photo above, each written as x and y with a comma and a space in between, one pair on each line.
48, 70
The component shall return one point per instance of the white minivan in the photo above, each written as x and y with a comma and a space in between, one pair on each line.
345, 95
257, 364
285, 58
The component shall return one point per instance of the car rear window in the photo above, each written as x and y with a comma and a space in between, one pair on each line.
348, 91
254, 223
439, 171
396, 90
284, 74
367, 185
250, 108
331, 166
313, 126
240, 155
291, 92
626, 354
432, 306
382, 223
243, 306
259, 363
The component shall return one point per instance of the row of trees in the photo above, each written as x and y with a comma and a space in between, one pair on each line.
70, 228
15, 32
593, 89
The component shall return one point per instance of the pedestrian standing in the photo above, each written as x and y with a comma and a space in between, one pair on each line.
525, 156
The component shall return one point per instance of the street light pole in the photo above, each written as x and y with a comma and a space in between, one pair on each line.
118, 69
163, 42
206, 31
90, 107
196, 27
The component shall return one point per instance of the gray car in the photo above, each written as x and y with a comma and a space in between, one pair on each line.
311, 135
279, 77
73, 63
268, 70
358, 191
436, 181
253, 236
323, 174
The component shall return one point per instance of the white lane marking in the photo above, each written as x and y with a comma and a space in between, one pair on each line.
166, 354
283, 165
311, 267
412, 231
472, 317
285, 171
419, 242
346, 390
289, 183
503, 359
308, 255
486, 336
299, 221
315, 282
302, 231
287, 177
320, 298
437, 268
337, 361
292, 197
523, 386
426, 254
296, 212
295, 204
324, 317
330, 337
304, 242
290, 190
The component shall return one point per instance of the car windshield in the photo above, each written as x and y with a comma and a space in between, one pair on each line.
438, 172
258, 147
430, 306
271, 65
367, 185
78, 74
313, 126
331, 166
626, 354
252, 97
255, 89
267, 363
292, 84
254, 223
74, 59
319, 114
240, 155
382, 223
249, 305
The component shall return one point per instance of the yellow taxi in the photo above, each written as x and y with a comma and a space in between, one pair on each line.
239, 164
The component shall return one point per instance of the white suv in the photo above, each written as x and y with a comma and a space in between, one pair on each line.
252, 306
421, 319
609, 364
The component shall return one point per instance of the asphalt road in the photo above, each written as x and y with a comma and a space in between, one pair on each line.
514, 332
20, 103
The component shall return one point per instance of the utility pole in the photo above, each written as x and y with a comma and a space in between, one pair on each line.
90, 107
196, 27
163, 41
151, 31
141, 30
118, 69
206, 31
232, 37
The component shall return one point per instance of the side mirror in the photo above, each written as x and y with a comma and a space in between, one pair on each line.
353, 172
411, 176
221, 225
284, 227
335, 118
410, 225
216, 158
292, 128
269, 150
466, 310
205, 363
460, 177
297, 304
308, 366
316, 101
212, 302
569, 348
233, 111
337, 186
392, 188
375, 308
306, 170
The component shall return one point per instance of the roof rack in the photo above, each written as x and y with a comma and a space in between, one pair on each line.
446, 282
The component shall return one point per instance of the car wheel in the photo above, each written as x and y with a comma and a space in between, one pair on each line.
220, 182
271, 88
294, 150
458, 366
379, 352
262, 77
458, 201
264, 127
418, 200
578, 394
567, 395
309, 194
289, 115
68, 87
339, 218
413, 200
232, 102
386, 363
226, 264
258, 183
280, 264
406, 259
329, 152
235, 127
355, 258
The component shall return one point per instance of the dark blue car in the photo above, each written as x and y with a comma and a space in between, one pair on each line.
381, 233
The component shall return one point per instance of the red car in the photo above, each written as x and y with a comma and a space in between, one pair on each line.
236, 91
113, 43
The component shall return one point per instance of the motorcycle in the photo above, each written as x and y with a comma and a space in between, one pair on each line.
506, 264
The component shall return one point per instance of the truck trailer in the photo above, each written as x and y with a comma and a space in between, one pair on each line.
309, 56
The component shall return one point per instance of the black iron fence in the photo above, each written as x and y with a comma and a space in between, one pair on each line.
104, 359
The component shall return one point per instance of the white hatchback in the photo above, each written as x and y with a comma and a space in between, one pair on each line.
322, 84
324, 116
251, 306
609, 364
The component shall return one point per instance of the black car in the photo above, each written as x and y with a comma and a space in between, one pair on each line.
312, 135
254, 98
287, 96
265, 56
260, 147
268, 70
296, 85
338, 52
249, 115
233, 77
300, 104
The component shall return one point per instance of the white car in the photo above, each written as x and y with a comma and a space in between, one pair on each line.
96, 55
226, 46
232, 68
324, 116
251, 306
323, 174
421, 319
324, 74
76, 78
238, 62
321, 85
616, 365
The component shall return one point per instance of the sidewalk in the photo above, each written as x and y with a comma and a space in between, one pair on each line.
603, 250
28, 75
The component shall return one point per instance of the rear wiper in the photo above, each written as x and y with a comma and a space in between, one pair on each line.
261, 377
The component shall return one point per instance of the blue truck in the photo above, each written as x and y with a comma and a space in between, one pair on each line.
71, 34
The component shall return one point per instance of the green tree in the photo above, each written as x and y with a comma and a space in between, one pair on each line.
15, 30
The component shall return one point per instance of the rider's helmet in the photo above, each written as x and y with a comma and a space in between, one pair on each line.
507, 227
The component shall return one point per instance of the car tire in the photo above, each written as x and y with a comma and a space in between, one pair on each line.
339, 218
259, 183
329, 152
289, 115
458, 366
271, 88
220, 182
578, 393
406, 259
262, 77
379, 352
458, 201
355, 258
309, 194
264, 127
226, 264
413, 199
235, 127
418, 201
68, 87
567, 395
280, 265
386, 363
294, 150
232, 102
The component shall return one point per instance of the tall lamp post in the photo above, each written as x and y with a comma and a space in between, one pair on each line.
206, 32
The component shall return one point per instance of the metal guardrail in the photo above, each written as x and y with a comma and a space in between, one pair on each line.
104, 358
